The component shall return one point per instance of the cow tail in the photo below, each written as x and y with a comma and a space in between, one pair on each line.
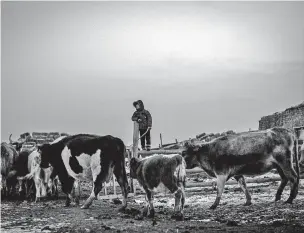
297, 161
181, 172
126, 155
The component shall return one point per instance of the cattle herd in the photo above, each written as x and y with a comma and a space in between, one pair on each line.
70, 159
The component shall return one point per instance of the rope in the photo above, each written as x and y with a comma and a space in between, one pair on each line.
141, 136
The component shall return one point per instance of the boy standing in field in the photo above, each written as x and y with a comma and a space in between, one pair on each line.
144, 119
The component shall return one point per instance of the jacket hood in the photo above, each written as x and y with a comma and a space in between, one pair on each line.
141, 104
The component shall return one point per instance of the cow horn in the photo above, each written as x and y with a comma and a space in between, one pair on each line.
10, 139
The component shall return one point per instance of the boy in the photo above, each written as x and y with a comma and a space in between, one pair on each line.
144, 119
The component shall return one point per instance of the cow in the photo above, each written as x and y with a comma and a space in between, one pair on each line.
86, 156
160, 171
249, 153
44, 179
9, 156
17, 144
20, 169
32, 179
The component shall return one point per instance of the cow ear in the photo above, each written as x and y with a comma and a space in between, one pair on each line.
133, 161
43, 147
39, 147
187, 144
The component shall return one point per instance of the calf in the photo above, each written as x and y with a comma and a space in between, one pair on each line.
9, 156
164, 170
250, 153
85, 156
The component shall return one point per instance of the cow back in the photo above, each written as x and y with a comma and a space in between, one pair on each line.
9, 155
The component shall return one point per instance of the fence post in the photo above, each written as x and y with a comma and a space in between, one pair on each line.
161, 140
134, 152
135, 139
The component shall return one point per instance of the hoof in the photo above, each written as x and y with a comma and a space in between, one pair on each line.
151, 214
248, 203
213, 207
139, 217
178, 216
67, 204
289, 201
145, 212
277, 198
122, 209
85, 207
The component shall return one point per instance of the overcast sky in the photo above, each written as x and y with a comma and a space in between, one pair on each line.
77, 67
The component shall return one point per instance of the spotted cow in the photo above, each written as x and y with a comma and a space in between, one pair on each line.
87, 157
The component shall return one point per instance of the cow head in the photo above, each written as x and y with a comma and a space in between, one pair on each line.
191, 155
134, 163
17, 144
46, 155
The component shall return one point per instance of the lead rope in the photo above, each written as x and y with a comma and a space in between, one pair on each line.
141, 136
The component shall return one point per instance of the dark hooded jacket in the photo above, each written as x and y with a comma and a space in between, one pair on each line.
143, 114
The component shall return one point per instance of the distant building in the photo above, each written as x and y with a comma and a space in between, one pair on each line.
290, 118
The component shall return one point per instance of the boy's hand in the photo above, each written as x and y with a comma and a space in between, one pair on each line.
139, 120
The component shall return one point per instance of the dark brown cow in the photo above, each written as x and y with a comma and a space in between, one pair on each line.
161, 170
9, 156
249, 153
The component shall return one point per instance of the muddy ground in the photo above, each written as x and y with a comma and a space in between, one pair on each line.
103, 216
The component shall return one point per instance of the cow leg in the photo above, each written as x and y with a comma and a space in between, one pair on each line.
183, 200
149, 209
55, 186
179, 195
179, 204
68, 200
291, 175
121, 177
67, 187
38, 189
100, 175
77, 191
294, 186
242, 183
283, 183
4, 187
221, 180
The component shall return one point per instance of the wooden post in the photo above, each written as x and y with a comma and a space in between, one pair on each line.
135, 139
134, 151
176, 141
131, 180
105, 188
114, 186
161, 140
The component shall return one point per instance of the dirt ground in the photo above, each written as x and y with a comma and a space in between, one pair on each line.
103, 216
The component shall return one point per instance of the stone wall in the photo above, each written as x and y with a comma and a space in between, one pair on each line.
291, 117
